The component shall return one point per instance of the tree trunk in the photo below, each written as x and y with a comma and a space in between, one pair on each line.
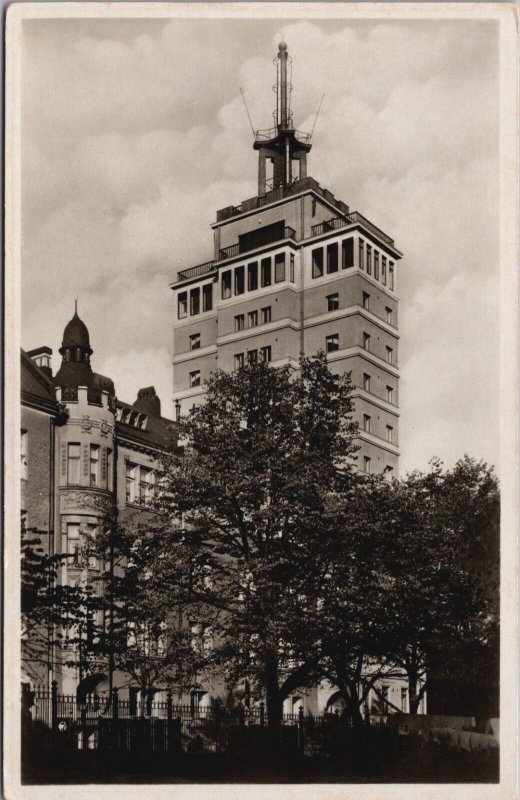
273, 698
353, 705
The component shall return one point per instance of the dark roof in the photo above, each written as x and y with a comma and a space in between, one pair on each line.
36, 388
157, 434
76, 333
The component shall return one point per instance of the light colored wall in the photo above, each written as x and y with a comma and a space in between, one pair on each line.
36, 489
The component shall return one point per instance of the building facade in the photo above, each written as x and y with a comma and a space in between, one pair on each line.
295, 271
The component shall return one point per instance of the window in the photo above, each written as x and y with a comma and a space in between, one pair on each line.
265, 354
313, 207
389, 433
265, 268
239, 322
404, 700
226, 285
292, 268
73, 458
389, 355
347, 253
195, 378
195, 341
361, 254
376, 265
391, 275
73, 542
369, 260
252, 356
332, 302
367, 462
195, 301
239, 280
140, 484
366, 300
110, 474
94, 465
383, 270
366, 381
389, 394
366, 423
133, 693
332, 343
366, 341
384, 699
252, 319
332, 257
183, 305
207, 297
146, 485
317, 263
239, 360
23, 453
388, 312
252, 276
279, 267
131, 479
266, 314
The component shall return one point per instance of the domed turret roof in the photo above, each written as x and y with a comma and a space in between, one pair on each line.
76, 333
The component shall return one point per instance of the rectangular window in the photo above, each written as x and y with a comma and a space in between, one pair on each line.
131, 482
384, 699
266, 315
279, 267
73, 459
376, 265
252, 356
389, 473
265, 354
347, 253
389, 355
332, 258
252, 276
366, 341
361, 254
383, 270
291, 277
239, 322
332, 343
183, 305
195, 378
94, 465
207, 297
195, 341
366, 381
317, 262
239, 360
146, 486
23, 453
73, 542
366, 300
239, 280
367, 464
110, 466
404, 700
133, 693
332, 302
389, 433
252, 319
391, 275
226, 285
369, 260
194, 301
388, 312
265, 268
366, 423
389, 394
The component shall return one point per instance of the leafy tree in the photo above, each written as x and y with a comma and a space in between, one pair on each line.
256, 487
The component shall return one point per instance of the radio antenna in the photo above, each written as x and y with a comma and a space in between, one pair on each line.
247, 111
317, 114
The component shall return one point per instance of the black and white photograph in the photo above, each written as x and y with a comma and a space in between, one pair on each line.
261, 353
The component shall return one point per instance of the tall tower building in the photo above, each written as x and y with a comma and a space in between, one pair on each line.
294, 271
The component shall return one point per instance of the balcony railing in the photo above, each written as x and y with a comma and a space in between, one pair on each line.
269, 134
350, 219
193, 272
262, 238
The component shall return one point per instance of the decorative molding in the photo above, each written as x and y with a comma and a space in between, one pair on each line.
76, 500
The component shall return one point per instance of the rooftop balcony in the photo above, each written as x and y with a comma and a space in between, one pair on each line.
349, 219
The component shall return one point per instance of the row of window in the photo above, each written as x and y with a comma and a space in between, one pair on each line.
389, 392
371, 264
332, 301
195, 301
367, 424
252, 319
234, 280
263, 355
78, 554
327, 259
139, 484
94, 465
332, 344
367, 466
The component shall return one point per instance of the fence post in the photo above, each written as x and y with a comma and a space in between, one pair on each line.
169, 727
115, 718
84, 741
54, 705
300, 729
262, 713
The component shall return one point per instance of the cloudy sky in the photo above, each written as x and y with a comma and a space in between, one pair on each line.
134, 133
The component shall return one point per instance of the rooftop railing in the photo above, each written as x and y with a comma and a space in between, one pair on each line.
193, 272
349, 219
262, 238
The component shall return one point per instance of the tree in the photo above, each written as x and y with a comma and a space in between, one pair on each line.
256, 487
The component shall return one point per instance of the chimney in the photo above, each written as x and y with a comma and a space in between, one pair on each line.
41, 356
148, 402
